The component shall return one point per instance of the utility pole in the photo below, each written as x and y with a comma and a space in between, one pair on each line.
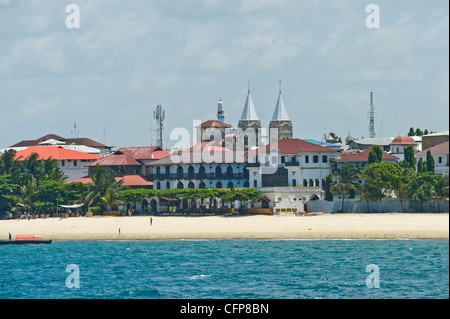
159, 115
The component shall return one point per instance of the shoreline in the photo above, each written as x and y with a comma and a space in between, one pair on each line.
255, 227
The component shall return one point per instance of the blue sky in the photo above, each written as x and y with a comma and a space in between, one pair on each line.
129, 56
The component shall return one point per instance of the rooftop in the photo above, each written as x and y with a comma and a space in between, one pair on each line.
291, 146
435, 150
361, 156
55, 152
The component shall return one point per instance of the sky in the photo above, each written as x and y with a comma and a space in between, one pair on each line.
126, 57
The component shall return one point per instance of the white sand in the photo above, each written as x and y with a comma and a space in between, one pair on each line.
379, 226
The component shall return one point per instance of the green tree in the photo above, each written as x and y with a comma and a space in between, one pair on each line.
418, 132
380, 178
425, 132
29, 196
430, 162
409, 158
347, 178
103, 178
327, 188
411, 131
420, 166
439, 190
375, 154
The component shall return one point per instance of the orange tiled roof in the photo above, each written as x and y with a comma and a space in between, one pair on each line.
55, 152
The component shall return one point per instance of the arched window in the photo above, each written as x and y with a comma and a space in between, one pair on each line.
158, 170
230, 184
201, 185
246, 184
158, 185
229, 173
180, 172
191, 185
201, 172
180, 185
219, 185
191, 172
168, 185
218, 171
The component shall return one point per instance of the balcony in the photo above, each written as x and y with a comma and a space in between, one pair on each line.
200, 176
289, 164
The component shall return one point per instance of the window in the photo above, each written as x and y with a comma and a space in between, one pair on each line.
255, 183
74, 162
63, 163
306, 158
311, 182
324, 159
317, 182
440, 160
282, 159
305, 183
294, 182
316, 159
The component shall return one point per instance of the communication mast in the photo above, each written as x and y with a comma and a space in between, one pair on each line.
371, 117
159, 115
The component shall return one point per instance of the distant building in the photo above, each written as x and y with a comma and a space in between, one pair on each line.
83, 144
290, 162
433, 139
132, 181
400, 143
360, 159
440, 154
249, 119
71, 162
366, 143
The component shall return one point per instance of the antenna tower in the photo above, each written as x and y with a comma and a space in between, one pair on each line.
159, 115
371, 117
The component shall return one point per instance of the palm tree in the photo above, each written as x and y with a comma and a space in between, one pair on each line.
439, 191
29, 196
347, 179
103, 178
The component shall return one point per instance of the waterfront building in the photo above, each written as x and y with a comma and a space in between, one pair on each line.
440, 154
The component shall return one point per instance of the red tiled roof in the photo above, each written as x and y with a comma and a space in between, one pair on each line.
362, 156
403, 140
118, 158
214, 123
211, 146
145, 152
55, 152
292, 146
437, 149
129, 180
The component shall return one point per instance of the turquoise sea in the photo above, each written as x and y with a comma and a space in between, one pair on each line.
226, 269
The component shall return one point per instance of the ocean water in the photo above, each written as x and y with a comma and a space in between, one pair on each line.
226, 269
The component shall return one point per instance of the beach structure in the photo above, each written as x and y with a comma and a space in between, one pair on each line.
71, 162
440, 153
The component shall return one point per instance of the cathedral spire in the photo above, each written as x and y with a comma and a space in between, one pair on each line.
249, 113
280, 113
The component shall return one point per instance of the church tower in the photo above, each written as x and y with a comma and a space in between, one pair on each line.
249, 119
280, 121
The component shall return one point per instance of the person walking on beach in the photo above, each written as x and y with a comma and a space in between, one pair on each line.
119, 231
9, 236
151, 221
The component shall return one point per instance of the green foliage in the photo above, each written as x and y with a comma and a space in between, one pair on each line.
375, 154
347, 179
329, 196
420, 166
429, 164
411, 131
409, 158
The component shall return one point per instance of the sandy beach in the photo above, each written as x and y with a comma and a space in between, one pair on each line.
352, 226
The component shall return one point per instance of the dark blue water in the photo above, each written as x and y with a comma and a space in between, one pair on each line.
280, 269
